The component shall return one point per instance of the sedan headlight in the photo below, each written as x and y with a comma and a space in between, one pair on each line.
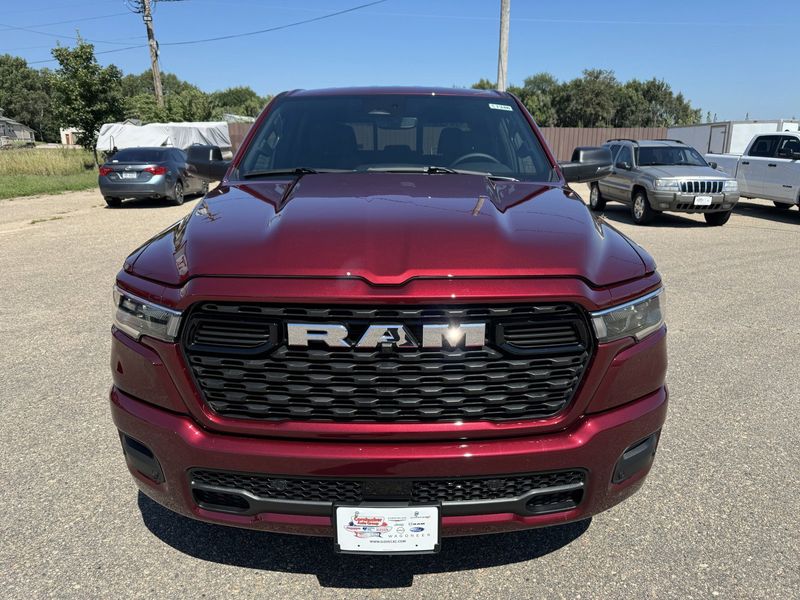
638, 318
670, 185
138, 317
730, 185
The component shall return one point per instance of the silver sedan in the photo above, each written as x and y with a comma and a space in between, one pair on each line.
148, 173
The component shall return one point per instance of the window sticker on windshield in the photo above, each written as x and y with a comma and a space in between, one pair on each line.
500, 106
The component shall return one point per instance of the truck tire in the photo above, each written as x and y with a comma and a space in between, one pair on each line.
596, 200
641, 211
113, 202
177, 193
717, 218
782, 205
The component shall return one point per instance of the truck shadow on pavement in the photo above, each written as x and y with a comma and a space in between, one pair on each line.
315, 556
620, 213
761, 211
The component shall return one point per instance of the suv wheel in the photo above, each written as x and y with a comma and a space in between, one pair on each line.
782, 205
177, 193
113, 202
718, 218
596, 200
641, 211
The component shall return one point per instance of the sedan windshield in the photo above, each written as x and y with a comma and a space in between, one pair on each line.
649, 156
429, 133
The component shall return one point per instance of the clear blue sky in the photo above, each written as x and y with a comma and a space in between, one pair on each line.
730, 57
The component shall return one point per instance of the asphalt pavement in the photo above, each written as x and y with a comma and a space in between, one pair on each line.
718, 516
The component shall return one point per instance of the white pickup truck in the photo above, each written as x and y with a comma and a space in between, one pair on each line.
769, 168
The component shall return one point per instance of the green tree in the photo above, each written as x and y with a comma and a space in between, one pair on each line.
588, 101
241, 100
484, 84
536, 94
86, 95
25, 95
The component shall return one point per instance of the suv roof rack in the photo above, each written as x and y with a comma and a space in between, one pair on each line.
623, 140
668, 140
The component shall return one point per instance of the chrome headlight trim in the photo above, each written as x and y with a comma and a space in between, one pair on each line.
608, 325
137, 317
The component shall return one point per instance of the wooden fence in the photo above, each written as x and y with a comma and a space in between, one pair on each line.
563, 140
237, 131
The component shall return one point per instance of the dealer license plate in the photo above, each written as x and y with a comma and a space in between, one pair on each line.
387, 529
130, 174
702, 200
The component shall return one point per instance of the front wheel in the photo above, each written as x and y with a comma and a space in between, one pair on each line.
177, 194
718, 218
641, 211
596, 200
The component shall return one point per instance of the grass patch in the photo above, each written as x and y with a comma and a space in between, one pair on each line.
35, 221
13, 186
33, 171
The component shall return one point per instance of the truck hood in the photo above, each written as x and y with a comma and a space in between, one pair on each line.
685, 172
388, 229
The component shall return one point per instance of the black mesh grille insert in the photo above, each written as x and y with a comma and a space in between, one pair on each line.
422, 491
529, 368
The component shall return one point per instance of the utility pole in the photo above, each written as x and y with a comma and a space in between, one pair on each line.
145, 8
147, 16
502, 57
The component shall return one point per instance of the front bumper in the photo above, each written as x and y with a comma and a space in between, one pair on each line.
594, 444
684, 202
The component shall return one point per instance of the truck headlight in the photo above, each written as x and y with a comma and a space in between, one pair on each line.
670, 185
637, 318
138, 317
730, 185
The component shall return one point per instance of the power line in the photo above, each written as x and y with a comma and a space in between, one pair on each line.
276, 28
6, 27
228, 37
57, 36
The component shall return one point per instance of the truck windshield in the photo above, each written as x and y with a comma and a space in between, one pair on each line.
393, 132
649, 156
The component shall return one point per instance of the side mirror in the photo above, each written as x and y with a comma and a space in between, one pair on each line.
624, 165
206, 162
587, 164
713, 165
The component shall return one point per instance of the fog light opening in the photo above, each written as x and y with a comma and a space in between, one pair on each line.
140, 458
636, 458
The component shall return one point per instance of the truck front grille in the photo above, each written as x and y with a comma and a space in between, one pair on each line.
531, 493
529, 368
702, 187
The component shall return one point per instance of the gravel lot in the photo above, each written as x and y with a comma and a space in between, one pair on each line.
718, 516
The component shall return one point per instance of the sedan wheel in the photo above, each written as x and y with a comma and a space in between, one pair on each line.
177, 193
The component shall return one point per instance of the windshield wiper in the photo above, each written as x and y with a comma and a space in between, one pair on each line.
437, 170
295, 171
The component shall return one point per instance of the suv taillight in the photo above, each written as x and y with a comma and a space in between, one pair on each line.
105, 170
156, 170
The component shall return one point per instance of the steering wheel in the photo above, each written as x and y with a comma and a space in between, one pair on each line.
474, 156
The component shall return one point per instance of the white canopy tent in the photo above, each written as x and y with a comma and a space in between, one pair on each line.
178, 135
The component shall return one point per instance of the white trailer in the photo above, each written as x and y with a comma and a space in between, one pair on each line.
728, 137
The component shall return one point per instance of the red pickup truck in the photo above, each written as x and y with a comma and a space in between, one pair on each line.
393, 321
